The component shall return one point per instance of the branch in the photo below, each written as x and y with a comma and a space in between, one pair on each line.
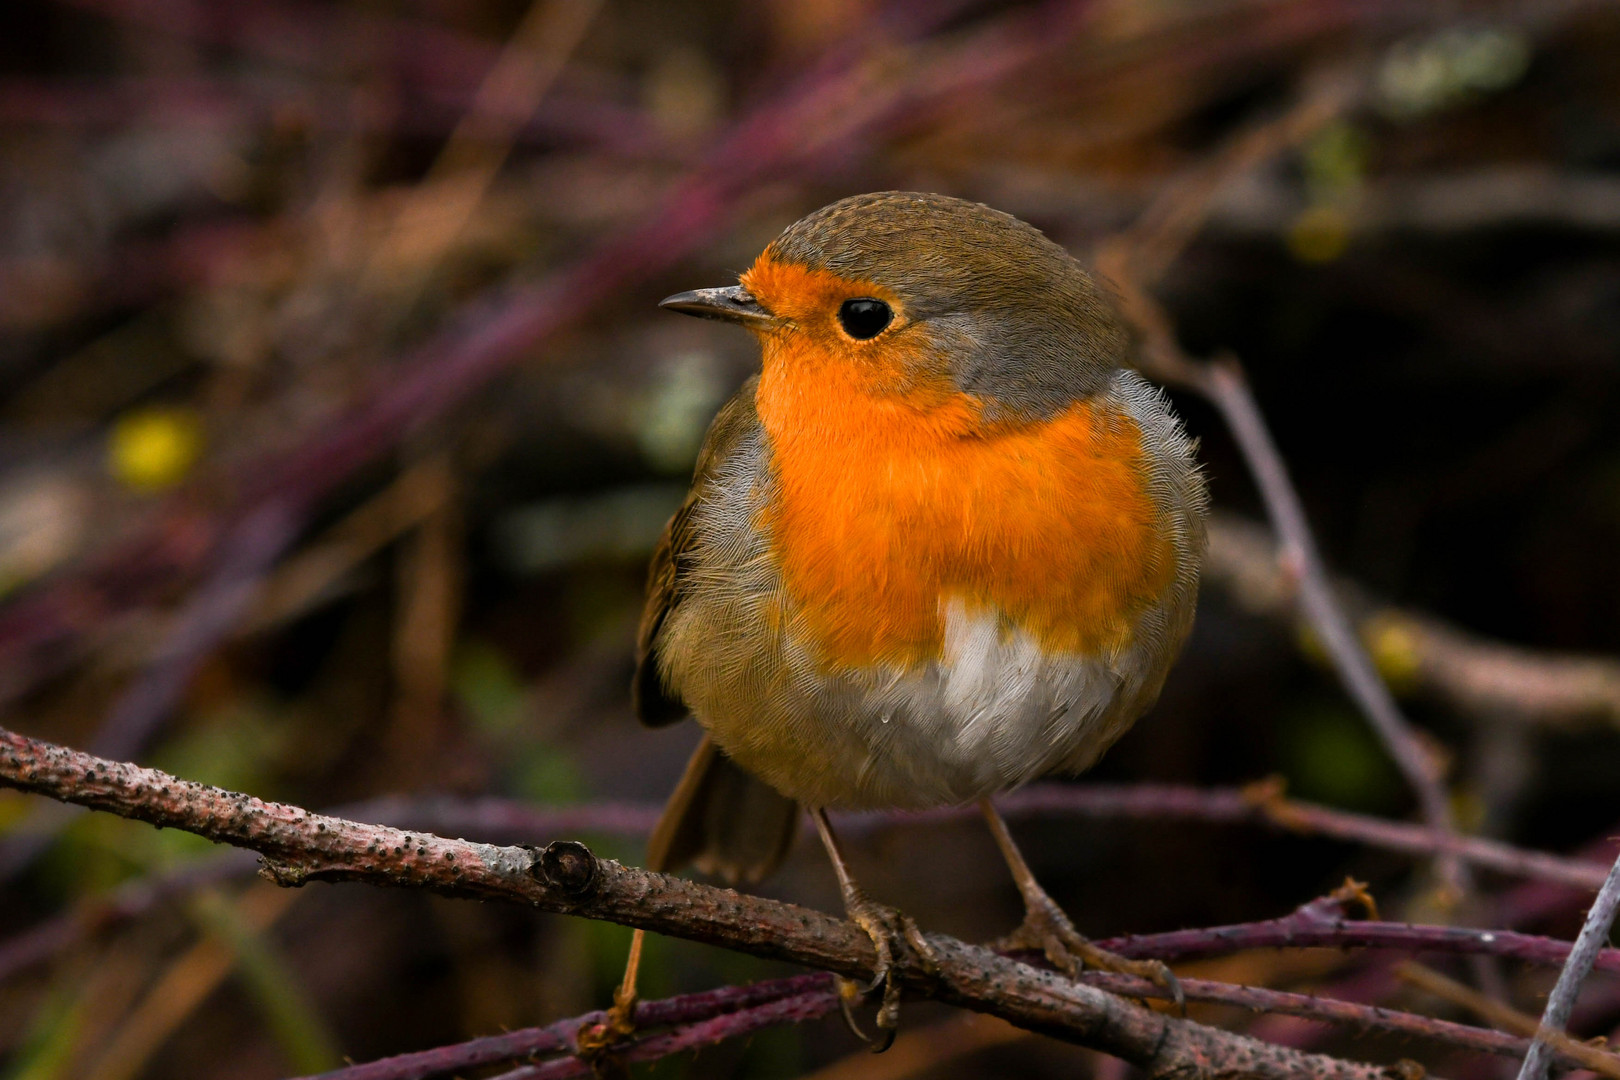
792, 1010
1225, 386
715, 1015
1263, 803
1324, 1010
760, 999
201, 623
299, 847
1322, 924
494, 818
1596, 1058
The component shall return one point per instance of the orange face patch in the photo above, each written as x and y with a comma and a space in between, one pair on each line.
894, 498
897, 361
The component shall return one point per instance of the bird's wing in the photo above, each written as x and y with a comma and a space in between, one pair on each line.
654, 703
720, 818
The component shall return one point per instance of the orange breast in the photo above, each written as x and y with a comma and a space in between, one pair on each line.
889, 507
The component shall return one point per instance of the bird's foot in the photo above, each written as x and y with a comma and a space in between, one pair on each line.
1048, 929
893, 933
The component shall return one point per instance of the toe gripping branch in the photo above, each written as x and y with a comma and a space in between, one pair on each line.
898, 941
894, 935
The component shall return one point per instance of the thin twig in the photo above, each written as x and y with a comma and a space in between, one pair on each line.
1325, 922
792, 1010
1505, 1016
1263, 803
1324, 1010
1561, 1002
751, 1008
1223, 383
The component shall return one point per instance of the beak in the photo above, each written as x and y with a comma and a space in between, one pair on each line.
733, 303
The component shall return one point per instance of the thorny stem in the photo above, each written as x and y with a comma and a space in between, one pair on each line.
701, 1019
688, 1009
764, 1004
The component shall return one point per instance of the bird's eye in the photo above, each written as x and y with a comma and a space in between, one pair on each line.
864, 318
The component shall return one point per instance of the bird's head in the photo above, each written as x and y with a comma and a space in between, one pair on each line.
920, 295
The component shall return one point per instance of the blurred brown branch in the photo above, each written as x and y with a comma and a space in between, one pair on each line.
1134, 260
1423, 653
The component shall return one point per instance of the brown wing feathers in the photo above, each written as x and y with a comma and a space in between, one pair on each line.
719, 818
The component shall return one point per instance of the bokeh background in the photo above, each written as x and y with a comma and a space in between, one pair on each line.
337, 422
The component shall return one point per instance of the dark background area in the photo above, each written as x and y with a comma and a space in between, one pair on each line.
227, 231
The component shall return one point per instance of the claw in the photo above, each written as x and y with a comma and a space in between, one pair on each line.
1048, 929
887, 928
879, 923
849, 993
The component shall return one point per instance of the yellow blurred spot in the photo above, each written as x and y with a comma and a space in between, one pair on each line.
1319, 234
1468, 810
152, 449
1335, 160
1310, 644
1394, 649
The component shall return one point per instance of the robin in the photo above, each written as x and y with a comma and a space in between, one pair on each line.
945, 543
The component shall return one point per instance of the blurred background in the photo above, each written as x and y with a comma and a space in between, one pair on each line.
338, 420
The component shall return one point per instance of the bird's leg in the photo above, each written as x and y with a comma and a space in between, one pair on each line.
1047, 928
620, 1022
596, 1042
886, 927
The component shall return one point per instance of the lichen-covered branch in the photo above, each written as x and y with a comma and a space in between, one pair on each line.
300, 847
1258, 804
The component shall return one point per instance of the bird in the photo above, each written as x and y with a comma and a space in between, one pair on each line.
947, 541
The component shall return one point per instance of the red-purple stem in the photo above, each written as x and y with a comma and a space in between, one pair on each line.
529, 1042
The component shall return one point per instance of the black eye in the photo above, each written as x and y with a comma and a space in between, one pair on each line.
864, 318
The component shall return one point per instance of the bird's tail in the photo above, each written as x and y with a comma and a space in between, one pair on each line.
724, 821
